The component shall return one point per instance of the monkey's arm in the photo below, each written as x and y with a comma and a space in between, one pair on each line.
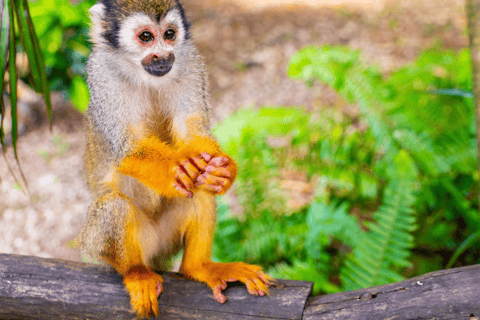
173, 172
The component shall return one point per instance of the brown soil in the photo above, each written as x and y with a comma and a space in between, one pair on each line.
246, 50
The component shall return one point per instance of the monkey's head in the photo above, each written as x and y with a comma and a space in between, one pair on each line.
146, 33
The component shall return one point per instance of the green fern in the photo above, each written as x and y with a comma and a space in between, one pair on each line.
385, 248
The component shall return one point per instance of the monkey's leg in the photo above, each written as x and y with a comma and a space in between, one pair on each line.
111, 234
197, 263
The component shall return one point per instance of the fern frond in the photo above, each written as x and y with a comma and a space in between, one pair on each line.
386, 246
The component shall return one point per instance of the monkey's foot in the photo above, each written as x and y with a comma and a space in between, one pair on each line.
186, 173
219, 174
216, 275
144, 287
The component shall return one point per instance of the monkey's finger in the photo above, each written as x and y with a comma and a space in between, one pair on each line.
200, 163
210, 187
217, 293
184, 192
251, 288
218, 161
145, 299
261, 288
141, 310
224, 285
211, 179
224, 182
183, 178
153, 298
158, 288
218, 171
148, 298
206, 156
190, 169
265, 278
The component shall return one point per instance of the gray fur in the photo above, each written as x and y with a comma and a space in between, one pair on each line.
103, 229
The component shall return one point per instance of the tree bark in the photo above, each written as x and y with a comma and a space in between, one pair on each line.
36, 288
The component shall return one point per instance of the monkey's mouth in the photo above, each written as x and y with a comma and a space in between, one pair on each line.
158, 66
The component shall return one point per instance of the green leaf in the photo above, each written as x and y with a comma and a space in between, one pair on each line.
300, 61
368, 186
13, 90
13, 78
79, 93
35, 55
328, 221
44, 23
4, 47
462, 247
53, 41
388, 242
27, 42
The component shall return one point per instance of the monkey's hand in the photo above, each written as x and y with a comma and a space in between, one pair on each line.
144, 287
216, 275
186, 173
218, 175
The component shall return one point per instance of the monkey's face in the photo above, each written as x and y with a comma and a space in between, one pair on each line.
148, 41
151, 44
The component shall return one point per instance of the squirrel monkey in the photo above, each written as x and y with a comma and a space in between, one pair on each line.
152, 164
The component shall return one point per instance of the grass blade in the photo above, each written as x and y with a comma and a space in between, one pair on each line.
4, 41
13, 91
464, 246
27, 44
12, 50
35, 54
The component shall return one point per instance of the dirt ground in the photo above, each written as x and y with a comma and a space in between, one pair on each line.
246, 48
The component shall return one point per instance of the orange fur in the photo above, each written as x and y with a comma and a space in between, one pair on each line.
153, 161
196, 262
143, 286
141, 282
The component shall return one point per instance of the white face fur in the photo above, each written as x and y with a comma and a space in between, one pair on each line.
147, 44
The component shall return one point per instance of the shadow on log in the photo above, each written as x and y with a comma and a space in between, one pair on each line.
36, 288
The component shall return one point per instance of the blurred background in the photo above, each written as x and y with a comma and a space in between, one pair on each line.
352, 123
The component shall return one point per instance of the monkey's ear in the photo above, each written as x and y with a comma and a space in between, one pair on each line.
97, 11
97, 14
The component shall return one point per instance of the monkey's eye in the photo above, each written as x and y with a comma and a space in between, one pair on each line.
145, 36
169, 34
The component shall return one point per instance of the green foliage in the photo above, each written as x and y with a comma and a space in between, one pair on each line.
405, 112
63, 32
386, 245
15, 16
407, 181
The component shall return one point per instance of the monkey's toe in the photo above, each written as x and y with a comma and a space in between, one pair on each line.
144, 286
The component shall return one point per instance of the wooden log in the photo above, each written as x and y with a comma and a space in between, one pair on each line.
36, 288
452, 294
